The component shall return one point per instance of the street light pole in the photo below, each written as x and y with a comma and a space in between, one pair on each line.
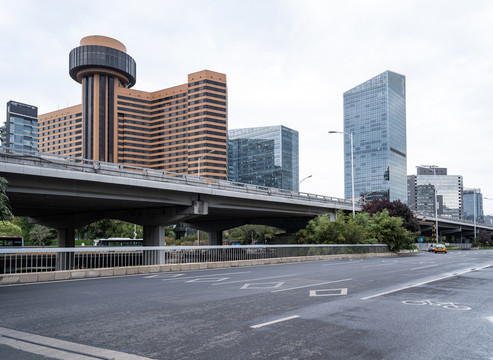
309, 176
474, 203
350, 135
200, 158
198, 175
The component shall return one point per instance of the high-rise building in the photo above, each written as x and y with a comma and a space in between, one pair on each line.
449, 193
473, 198
375, 114
169, 129
21, 127
266, 156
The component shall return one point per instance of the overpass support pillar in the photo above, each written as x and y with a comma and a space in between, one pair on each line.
154, 236
215, 238
66, 239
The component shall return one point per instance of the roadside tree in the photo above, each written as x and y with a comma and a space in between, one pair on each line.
395, 208
9, 229
5, 210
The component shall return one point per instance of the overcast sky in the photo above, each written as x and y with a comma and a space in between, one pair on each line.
287, 63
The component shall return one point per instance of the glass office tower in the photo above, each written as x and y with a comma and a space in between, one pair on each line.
266, 156
375, 113
449, 190
473, 197
21, 127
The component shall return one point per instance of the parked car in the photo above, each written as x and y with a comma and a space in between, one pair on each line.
440, 248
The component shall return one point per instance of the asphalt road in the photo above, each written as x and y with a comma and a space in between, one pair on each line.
425, 306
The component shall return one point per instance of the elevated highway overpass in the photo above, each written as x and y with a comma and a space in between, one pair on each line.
66, 193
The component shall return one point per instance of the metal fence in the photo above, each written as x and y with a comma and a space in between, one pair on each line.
46, 259
460, 246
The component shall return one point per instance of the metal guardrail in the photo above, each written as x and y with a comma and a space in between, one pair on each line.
460, 246
9, 155
47, 259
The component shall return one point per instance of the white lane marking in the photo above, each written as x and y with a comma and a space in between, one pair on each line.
64, 350
305, 286
445, 276
490, 318
384, 264
150, 277
343, 262
209, 275
268, 285
265, 278
423, 267
329, 292
275, 321
211, 279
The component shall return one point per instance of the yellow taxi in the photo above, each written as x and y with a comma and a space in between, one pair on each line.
440, 248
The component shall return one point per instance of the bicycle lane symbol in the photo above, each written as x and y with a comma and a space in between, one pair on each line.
445, 305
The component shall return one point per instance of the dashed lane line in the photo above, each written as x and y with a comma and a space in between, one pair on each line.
384, 264
274, 321
423, 267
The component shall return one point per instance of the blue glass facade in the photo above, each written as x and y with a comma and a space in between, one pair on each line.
449, 190
266, 156
473, 197
21, 127
375, 113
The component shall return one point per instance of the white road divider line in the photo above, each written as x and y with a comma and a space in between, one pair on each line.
59, 349
384, 264
275, 321
305, 286
445, 276
423, 267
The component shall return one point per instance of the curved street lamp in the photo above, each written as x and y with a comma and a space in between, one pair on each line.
198, 176
309, 176
200, 158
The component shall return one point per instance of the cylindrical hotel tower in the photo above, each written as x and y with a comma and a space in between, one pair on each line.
100, 64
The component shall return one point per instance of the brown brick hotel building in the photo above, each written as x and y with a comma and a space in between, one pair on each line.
169, 129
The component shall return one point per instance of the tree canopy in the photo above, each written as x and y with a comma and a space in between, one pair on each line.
396, 209
361, 229
5, 210
9, 229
